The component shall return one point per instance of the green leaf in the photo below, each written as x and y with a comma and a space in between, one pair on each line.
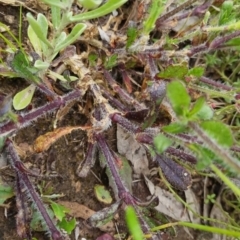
174, 72
102, 194
155, 10
197, 106
133, 223
59, 210
111, 61
90, 4
77, 30
68, 226
37, 28
226, 13
43, 23
196, 71
161, 143
35, 41
204, 155
219, 132
21, 66
22, 99
92, 58
39, 64
174, 128
205, 113
131, 36
234, 42
56, 16
56, 3
6, 192
105, 9
178, 97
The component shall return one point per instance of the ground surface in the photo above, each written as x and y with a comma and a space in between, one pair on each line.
60, 162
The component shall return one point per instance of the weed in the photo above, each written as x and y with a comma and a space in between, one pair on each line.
171, 77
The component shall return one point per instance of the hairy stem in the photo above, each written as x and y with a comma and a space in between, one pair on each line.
222, 153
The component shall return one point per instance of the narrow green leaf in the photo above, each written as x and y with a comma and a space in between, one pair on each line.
43, 23
197, 106
174, 128
161, 143
111, 61
219, 132
56, 16
22, 99
35, 41
131, 36
174, 72
226, 180
56, 3
178, 97
105, 9
155, 10
210, 229
226, 13
37, 29
77, 30
133, 224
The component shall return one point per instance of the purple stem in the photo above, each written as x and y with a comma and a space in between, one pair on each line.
215, 84
26, 118
128, 125
198, 11
180, 154
16, 162
113, 101
122, 94
22, 218
173, 12
123, 192
217, 43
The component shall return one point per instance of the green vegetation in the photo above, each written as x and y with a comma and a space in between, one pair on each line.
168, 76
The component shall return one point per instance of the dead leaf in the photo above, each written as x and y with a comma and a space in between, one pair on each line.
44, 142
193, 202
168, 204
81, 211
132, 150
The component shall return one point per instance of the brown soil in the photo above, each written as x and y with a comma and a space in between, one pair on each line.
60, 161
